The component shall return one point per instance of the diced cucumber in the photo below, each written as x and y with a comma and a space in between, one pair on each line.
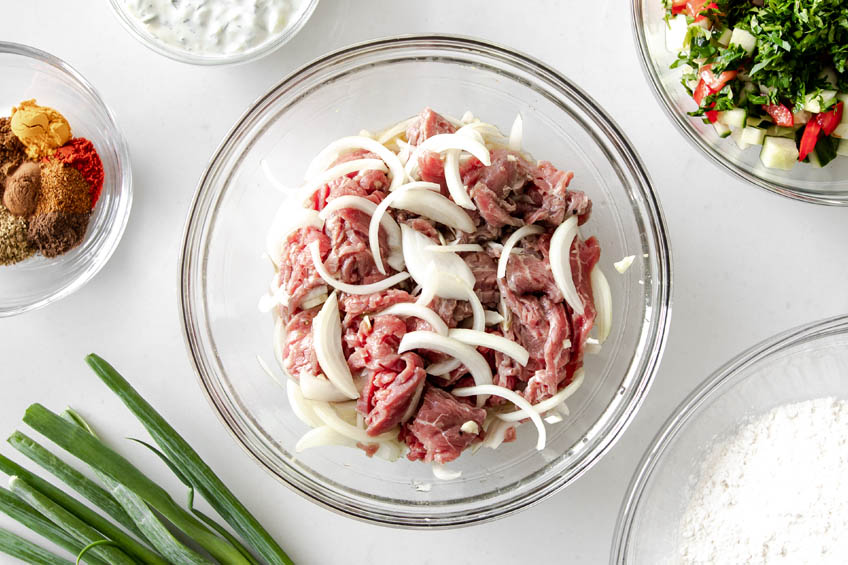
753, 136
801, 117
825, 150
747, 88
736, 135
721, 129
841, 131
814, 103
814, 160
779, 153
780, 131
724, 37
844, 99
675, 35
733, 118
842, 148
754, 121
744, 39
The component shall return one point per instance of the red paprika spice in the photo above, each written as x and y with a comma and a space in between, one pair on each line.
80, 154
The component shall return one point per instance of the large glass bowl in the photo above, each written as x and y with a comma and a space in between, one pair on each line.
300, 15
38, 281
805, 363
374, 85
827, 185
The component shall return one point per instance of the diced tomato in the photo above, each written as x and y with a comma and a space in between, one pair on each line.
712, 115
716, 83
676, 10
701, 92
830, 120
809, 139
780, 114
695, 8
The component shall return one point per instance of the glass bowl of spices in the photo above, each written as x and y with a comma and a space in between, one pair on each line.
750, 467
209, 32
65, 182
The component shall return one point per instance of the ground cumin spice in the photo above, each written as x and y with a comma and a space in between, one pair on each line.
63, 189
80, 154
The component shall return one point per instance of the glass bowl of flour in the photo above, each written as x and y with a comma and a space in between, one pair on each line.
750, 468
213, 32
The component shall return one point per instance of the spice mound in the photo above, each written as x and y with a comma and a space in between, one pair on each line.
49, 184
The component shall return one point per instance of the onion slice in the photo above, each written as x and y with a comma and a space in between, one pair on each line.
549, 403
510, 242
413, 404
456, 248
332, 151
300, 406
453, 179
469, 356
418, 311
331, 418
603, 302
516, 133
321, 436
441, 142
491, 341
327, 333
444, 474
523, 406
395, 259
444, 274
352, 288
283, 224
561, 263
395, 130
346, 168
380, 211
317, 388
493, 317
436, 207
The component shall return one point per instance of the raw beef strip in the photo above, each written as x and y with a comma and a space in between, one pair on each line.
297, 272
428, 124
434, 434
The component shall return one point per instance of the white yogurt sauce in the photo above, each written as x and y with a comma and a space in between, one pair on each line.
212, 27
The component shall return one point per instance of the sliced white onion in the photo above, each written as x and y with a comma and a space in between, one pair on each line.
549, 403
322, 436
523, 406
441, 142
284, 223
443, 367
328, 415
453, 179
479, 321
510, 242
603, 302
300, 406
444, 474
346, 168
380, 211
352, 288
419, 311
320, 388
394, 131
316, 297
561, 262
467, 117
506, 314
493, 318
516, 133
388, 223
327, 334
496, 434
488, 131
428, 268
389, 450
456, 248
624, 264
466, 354
470, 427
333, 150
593, 348
491, 341
436, 207
413, 404
428, 290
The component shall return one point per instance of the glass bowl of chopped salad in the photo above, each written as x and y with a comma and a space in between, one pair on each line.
760, 87
407, 122
705, 451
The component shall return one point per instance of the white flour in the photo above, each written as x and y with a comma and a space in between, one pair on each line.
774, 492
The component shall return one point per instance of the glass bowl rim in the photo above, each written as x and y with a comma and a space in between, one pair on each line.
655, 332
684, 126
182, 56
713, 387
115, 232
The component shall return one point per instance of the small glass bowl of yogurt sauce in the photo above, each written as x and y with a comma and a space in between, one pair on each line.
213, 32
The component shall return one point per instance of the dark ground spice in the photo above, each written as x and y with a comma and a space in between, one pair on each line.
12, 152
63, 189
55, 233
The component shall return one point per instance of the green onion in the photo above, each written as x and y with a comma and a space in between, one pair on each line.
18, 510
27, 551
67, 521
93, 492
154, 530
92, 451
198, 473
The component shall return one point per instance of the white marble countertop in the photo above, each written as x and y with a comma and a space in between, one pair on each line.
748, 264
